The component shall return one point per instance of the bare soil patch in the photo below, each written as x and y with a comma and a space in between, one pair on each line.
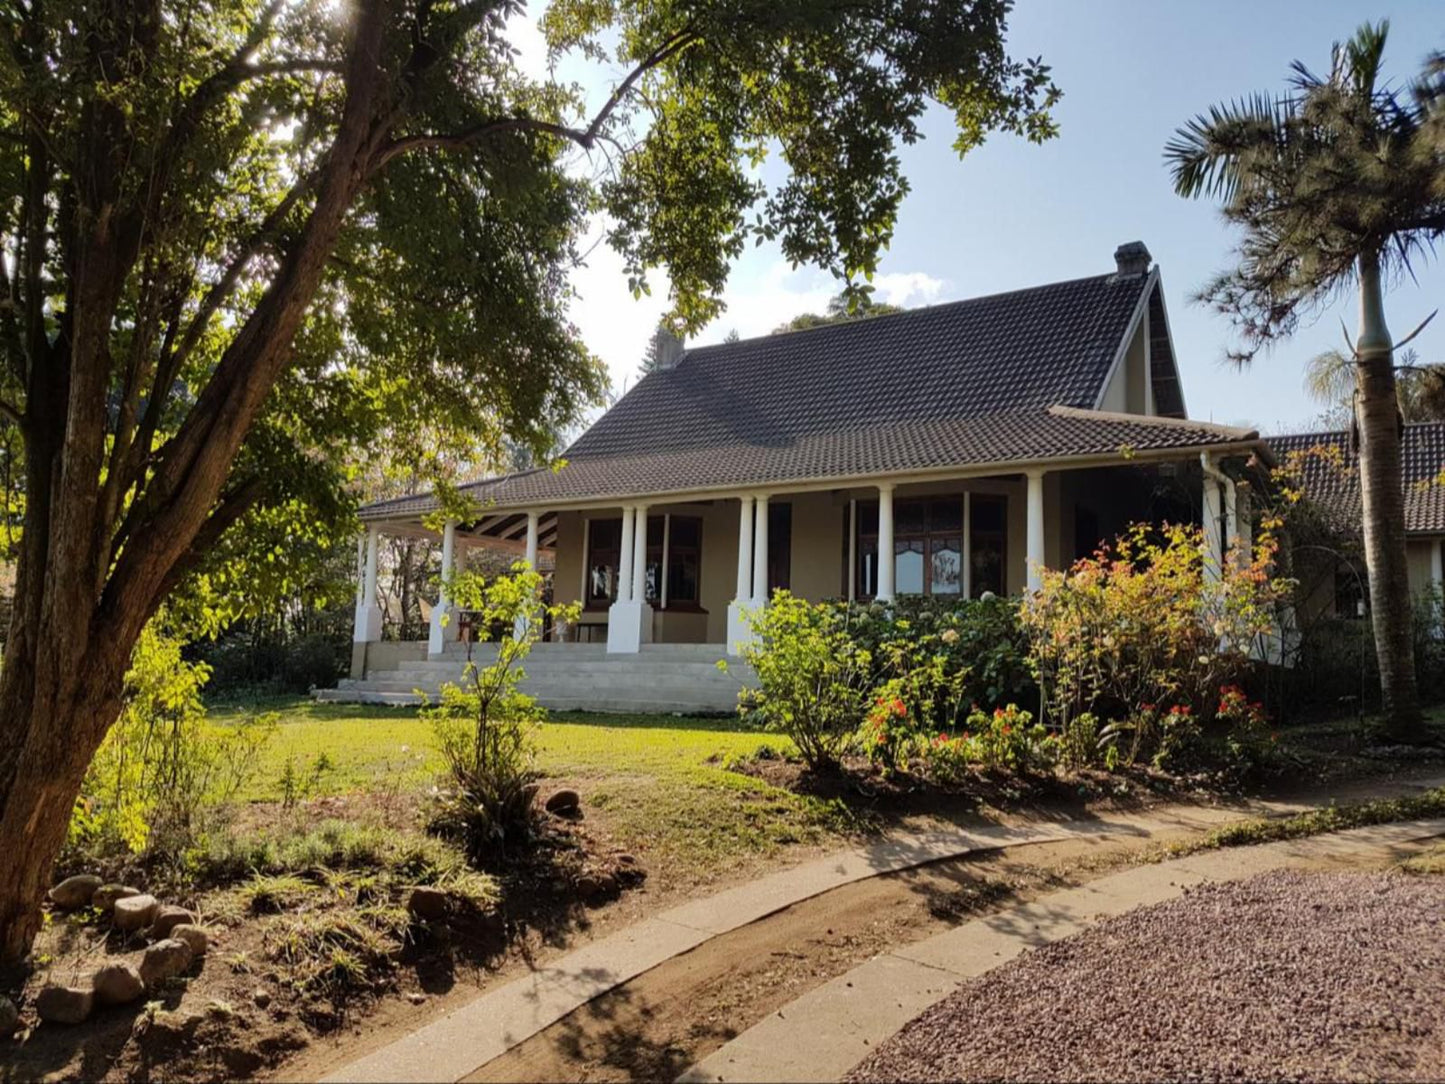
1285, 976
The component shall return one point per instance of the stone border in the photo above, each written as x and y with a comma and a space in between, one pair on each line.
827, 1031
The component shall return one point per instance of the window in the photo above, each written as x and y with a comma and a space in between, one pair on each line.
684, 560
1350, 592
604, 549
928, 549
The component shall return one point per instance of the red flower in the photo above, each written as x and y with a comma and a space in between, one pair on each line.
898, 709
1007, 729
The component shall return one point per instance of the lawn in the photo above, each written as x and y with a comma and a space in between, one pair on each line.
659, 785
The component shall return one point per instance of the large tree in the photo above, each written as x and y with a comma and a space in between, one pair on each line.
1337, 185
236, 235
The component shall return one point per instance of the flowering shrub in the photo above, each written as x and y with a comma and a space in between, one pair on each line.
947, 758
1010, 740
983, 650
887, 735
813, 677
1248, 738
1145, 622
1079, 741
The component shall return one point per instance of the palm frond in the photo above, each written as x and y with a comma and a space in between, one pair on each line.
1204, 155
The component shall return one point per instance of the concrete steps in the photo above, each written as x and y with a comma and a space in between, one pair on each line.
662, 678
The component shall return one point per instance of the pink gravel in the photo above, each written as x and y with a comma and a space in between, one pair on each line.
1284, 976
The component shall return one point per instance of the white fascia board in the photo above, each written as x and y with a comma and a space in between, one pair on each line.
1136, 319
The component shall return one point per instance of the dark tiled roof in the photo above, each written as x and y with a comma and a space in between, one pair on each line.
992, 355
1003, 439
1331, 475
963, 384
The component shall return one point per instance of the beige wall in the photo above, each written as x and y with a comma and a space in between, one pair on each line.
1421, 556
1129, 390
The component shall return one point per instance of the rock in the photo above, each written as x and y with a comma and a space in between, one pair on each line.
563, 801
167, 918
626, 860
9, 1017
428, 904
164, 960
117, 984
75, 892
262, 997
106, 895
64, 1004
195, 937
135, 912
416, 999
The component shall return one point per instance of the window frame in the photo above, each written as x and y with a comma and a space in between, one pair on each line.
961, 535
653, 559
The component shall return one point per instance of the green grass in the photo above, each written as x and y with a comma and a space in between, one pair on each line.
1335, 818
661, 782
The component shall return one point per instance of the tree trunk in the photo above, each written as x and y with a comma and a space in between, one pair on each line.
54, 718
1383, 511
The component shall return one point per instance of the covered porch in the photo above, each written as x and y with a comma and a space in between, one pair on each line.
685, 569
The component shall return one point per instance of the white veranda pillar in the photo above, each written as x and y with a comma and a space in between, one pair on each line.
368, 611
738, 631
760, 552
519, 629
629, 619
1211, 512
852, 550
1035, 554
886, 558
441, 612
1437, 577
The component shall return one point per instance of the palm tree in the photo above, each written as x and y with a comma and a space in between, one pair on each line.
1337, 185
1420, 389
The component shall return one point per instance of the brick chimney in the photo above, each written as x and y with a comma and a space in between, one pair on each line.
1131, 259
667, 349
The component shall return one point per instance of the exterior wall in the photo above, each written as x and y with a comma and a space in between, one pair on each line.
1129, 390
819, 526
719, 573
1421, 556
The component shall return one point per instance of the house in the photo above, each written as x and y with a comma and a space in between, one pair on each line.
1333, 580
970, 444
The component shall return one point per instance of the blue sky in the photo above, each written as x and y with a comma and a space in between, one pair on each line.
1013, 214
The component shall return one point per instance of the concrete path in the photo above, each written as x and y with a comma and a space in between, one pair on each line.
469, 1037
830, 1029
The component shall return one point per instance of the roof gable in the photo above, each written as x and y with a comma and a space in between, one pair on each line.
1006, 353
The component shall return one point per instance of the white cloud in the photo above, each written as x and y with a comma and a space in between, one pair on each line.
908, 289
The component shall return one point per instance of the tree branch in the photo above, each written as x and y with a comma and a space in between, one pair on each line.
232, 505
585, 138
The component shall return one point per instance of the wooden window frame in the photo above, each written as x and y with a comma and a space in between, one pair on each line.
867, 543
654, 558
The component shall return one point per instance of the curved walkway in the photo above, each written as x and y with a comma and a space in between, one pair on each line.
486, 1028
832, 1028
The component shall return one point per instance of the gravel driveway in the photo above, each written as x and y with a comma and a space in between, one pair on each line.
1285, 976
